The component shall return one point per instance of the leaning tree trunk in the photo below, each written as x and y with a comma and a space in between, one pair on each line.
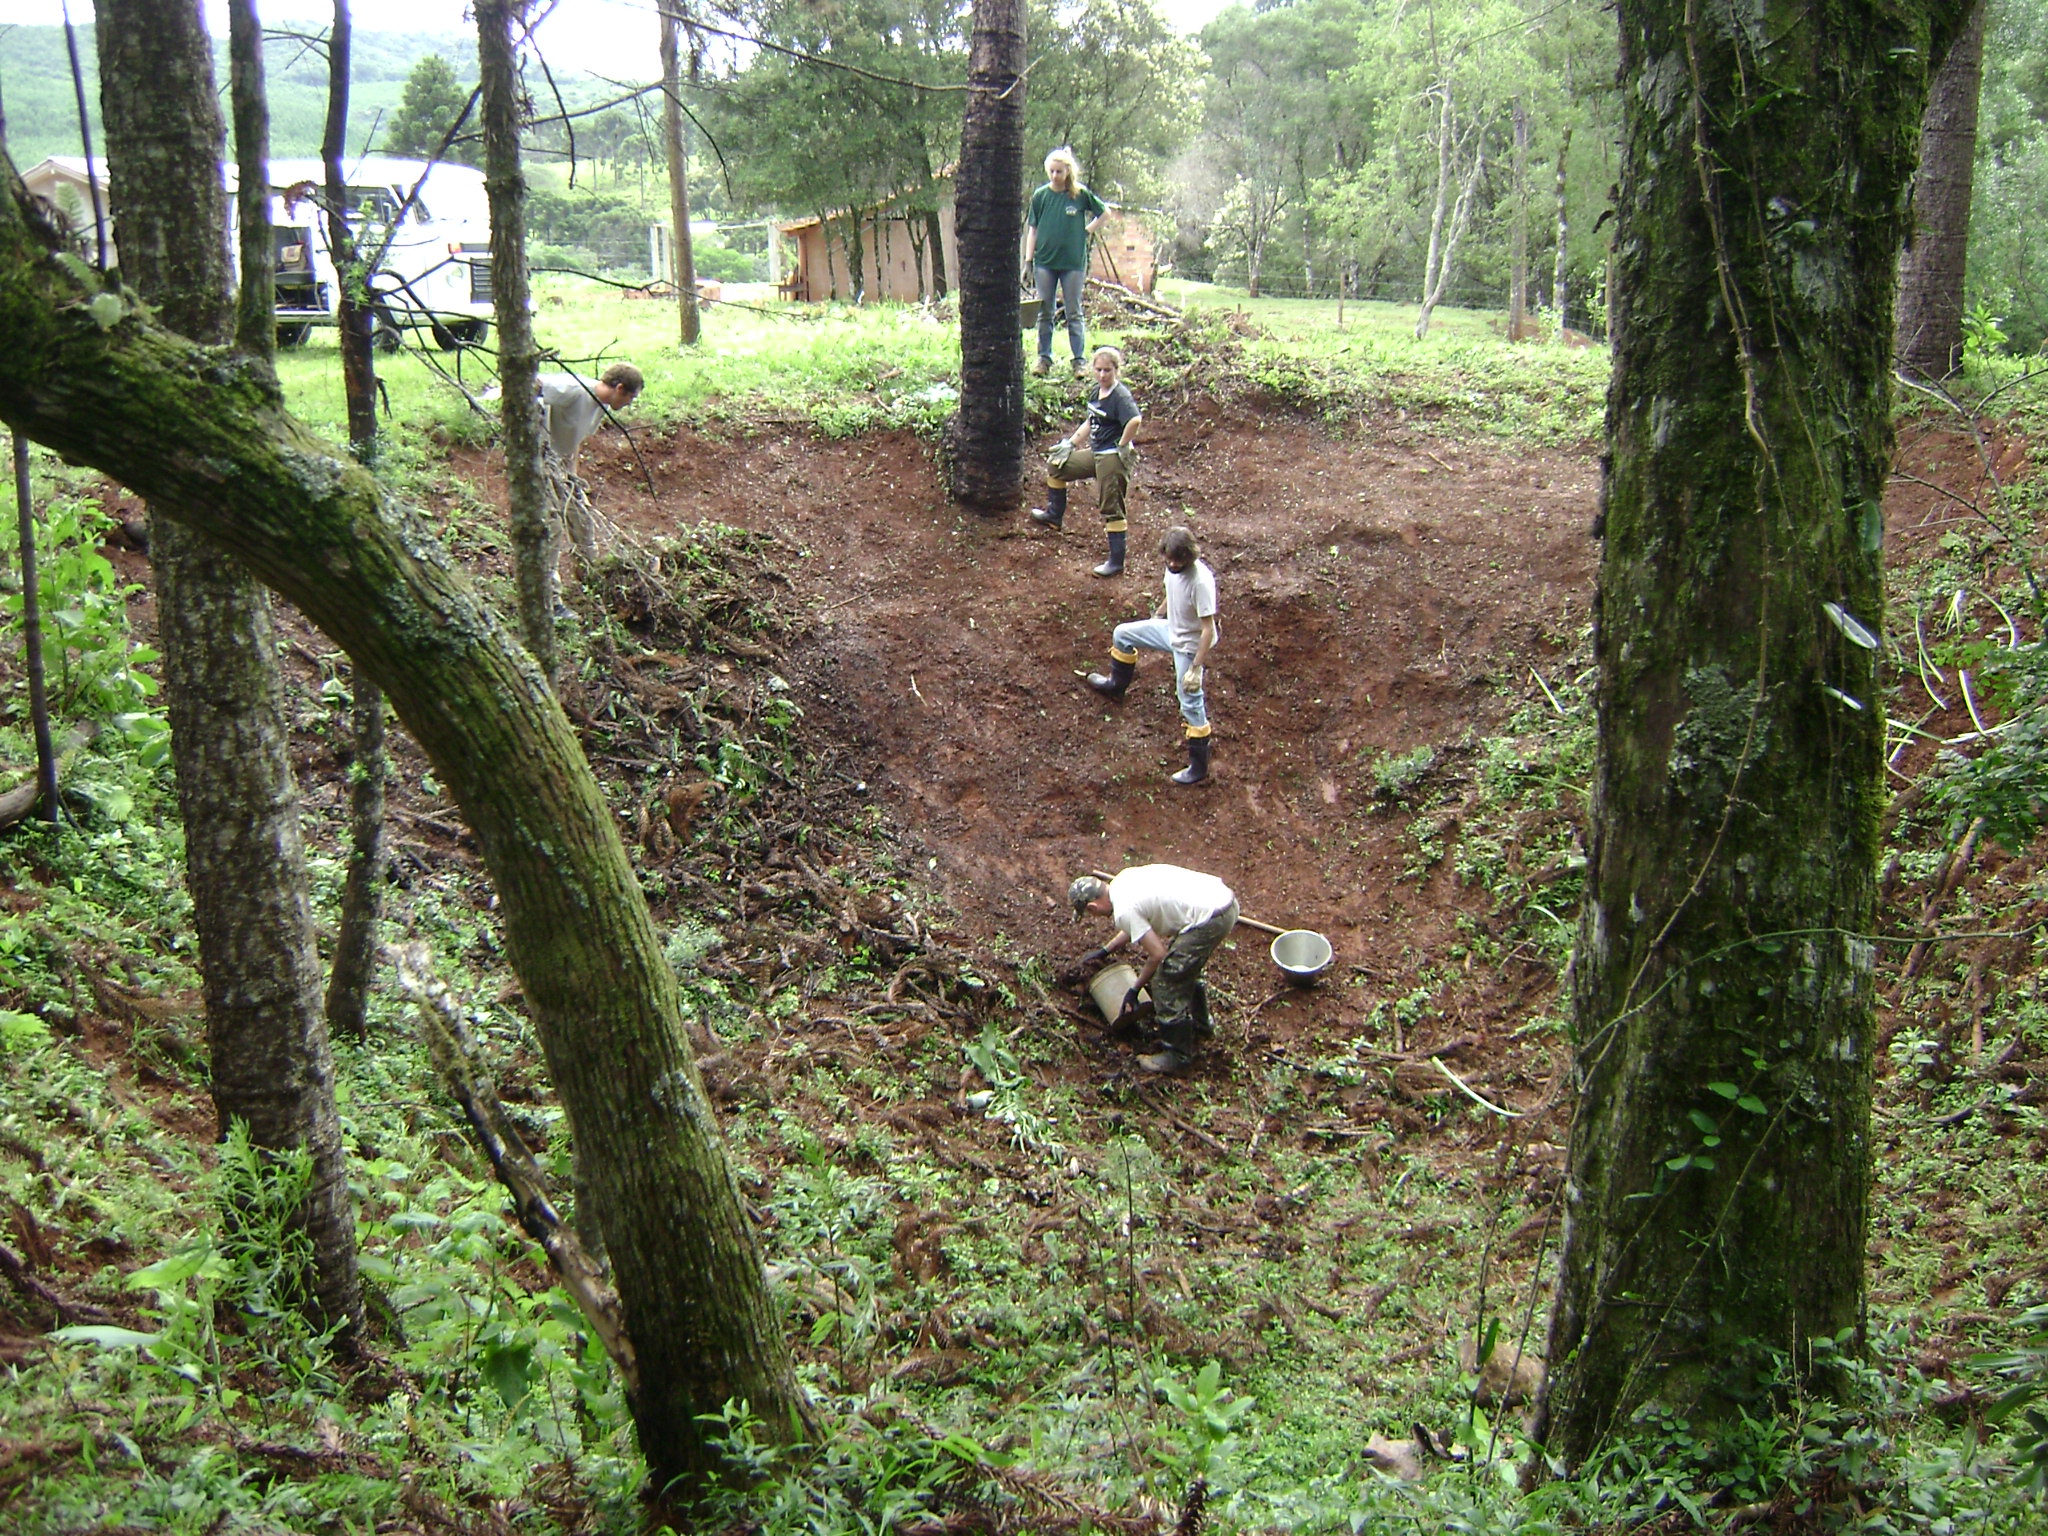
244, 863
987, 436
535, 540
1928, 342
210, 445
1719, 1159
678, 157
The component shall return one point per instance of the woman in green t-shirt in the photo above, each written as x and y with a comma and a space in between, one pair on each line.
1063, 215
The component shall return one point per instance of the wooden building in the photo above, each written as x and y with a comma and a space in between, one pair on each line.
898, 243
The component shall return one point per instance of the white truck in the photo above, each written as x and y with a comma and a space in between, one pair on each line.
430, 221
435, 271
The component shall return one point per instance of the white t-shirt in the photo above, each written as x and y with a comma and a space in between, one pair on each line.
569, 414
1190, 598
1165, 898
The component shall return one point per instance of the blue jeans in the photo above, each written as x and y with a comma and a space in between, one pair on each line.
1069, 286
1126, 640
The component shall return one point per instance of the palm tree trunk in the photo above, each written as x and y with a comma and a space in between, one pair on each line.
987, 437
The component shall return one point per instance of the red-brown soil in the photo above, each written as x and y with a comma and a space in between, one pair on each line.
1380, 590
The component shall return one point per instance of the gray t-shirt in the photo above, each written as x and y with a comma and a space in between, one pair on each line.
569, 414
1190, 598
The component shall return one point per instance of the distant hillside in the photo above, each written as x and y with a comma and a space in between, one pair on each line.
42, 115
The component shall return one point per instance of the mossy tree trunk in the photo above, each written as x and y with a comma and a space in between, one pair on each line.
987, 437
245, 866
198, 432
1720, 1160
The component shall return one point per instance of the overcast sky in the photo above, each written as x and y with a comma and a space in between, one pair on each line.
608, 37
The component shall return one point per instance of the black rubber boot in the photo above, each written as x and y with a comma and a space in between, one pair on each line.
1054, 512
1113, 683
1114, 565
1173, 1051
1197, 769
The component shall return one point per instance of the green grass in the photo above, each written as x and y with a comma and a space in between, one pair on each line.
841, 371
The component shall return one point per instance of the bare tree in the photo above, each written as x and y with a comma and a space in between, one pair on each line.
355, 936
678, 156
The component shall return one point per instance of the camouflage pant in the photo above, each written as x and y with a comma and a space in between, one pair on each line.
1111, 472
1180, 998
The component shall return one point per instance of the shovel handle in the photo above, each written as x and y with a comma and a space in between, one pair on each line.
1248, 922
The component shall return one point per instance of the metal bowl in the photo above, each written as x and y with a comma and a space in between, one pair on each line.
1302, 953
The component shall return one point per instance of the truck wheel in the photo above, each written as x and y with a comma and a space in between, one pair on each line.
385, 336
462, 333
294, 333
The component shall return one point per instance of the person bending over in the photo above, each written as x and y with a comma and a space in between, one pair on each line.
1174, 918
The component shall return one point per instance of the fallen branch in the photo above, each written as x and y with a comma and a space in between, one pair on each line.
456, 1057
15, 1267
1463, 1087
1952, 871
17, 803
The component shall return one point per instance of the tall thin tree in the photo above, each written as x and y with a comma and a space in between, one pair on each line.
1719, 1163
535, 536
244, 861
987, 436
355, 934
676, 150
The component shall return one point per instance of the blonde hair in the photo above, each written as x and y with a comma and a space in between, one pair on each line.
1116, 358
1064, 156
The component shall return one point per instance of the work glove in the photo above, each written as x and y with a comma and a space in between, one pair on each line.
1130, 1004
1094, 958
1191, 681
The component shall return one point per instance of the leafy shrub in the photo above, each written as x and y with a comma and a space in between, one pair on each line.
2024, 1405
92, 668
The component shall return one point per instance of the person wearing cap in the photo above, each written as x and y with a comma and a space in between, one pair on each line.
1174, 918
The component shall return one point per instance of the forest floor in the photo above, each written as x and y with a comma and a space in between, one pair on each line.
857, 765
